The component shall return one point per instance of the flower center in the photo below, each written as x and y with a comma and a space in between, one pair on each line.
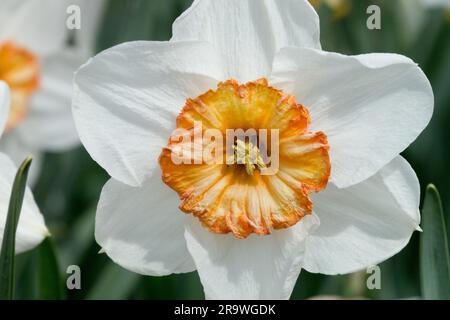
256, 185
249, 155
19, 68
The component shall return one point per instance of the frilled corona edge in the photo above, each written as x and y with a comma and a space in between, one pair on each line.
227, 198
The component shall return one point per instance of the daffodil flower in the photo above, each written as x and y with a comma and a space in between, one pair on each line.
31, 229
342, 198
38, 67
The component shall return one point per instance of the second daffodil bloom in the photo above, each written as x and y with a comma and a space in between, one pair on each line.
38, 67
31, 229
341, 199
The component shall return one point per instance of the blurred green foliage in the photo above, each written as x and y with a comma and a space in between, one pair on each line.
70, 183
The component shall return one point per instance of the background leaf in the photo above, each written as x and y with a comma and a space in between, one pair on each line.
114, 283
50, 285
7, 254
434, 253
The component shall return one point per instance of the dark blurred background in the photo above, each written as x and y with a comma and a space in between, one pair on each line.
70, 183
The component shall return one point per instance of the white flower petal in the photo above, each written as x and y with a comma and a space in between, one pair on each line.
31, 229
4, 105
17, 150
248, 33
40, 26
127, 98
370, 106
49, 124
255, 268
142, 229
365, 224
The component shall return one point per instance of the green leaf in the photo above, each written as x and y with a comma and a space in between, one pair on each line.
434, 253
50, 284
114, 283
7, 253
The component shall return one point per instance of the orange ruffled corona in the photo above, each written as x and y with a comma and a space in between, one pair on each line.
227, 198
19, 68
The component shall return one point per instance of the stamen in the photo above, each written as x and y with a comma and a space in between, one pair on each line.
249, 155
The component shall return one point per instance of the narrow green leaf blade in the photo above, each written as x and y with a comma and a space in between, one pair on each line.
9, 235
50, 284
434, 252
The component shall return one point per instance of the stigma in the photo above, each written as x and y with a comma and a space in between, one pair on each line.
249, 155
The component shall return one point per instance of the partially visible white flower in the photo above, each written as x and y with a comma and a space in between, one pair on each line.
40, 66
31, 229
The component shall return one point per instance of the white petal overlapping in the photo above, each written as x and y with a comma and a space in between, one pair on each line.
141, 229
372, 104
248, 33
255, 268
364, 224
126, 100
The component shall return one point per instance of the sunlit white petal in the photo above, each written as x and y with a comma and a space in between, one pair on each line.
248, 33
141, 229
126, 100
370, 106
364, 224
255, 268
